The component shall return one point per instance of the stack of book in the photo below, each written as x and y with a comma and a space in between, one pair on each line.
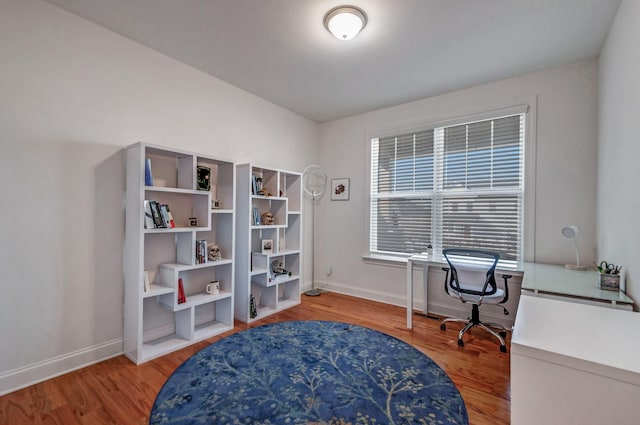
201, 251
256, 184
256, 217
157, 216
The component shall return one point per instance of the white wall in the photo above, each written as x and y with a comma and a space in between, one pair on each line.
619, 146
72, 95
565, 183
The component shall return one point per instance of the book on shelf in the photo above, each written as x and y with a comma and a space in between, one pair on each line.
157, 216
167, 218
201, 251
172, 222
254, 185
279, 276
148, 177
163, 214
147, 285
256, 216
253, 310
148, 216
155, 212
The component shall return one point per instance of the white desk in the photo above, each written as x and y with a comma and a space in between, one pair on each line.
545, 280
581, 286
573, 363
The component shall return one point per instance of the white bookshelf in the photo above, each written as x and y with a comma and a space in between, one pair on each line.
253, 268
155, 323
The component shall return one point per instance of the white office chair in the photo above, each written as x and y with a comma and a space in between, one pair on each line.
470, 278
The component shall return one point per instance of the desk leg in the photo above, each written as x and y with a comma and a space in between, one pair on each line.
425, 273
409, 294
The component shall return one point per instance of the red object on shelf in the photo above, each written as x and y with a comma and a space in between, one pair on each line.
181, 297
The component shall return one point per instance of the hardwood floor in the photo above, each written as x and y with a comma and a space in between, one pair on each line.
118, 392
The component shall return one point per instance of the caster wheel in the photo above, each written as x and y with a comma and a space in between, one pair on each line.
503, 348
461, 344
443, 327
503, 334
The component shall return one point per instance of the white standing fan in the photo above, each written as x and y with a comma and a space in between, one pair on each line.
314, 183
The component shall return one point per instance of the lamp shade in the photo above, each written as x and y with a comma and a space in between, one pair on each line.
570, 231
345, 22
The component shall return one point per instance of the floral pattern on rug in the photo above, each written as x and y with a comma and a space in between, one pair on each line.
309, 372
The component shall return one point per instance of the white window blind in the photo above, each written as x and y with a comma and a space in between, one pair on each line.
453, 186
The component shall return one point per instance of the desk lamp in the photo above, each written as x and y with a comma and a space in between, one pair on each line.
572, 232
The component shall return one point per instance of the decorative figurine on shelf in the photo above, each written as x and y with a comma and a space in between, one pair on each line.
253, 311
214, 253
267, 218
182, 298
264, 192
277, 268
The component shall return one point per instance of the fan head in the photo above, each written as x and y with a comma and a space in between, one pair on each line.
314, 180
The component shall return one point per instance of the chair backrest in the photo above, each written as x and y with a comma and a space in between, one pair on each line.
472, 270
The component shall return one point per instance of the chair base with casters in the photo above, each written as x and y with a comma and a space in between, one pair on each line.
470, 278
475, 321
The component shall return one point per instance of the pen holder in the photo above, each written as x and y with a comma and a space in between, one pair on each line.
610, 282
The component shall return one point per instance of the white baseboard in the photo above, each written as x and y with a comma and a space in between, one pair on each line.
384, 297
454, 309
37, 372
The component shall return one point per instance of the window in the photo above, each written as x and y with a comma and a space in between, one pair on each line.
460, 185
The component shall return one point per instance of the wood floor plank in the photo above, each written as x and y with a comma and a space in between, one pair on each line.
118, 392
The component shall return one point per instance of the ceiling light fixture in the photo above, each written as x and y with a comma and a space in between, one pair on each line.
345, 22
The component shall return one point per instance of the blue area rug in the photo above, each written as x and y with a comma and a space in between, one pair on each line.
309, 372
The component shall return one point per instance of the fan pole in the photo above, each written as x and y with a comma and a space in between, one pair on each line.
313, 178
313, 292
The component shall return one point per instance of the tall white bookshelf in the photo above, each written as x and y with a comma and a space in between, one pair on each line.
155, 321
254, 275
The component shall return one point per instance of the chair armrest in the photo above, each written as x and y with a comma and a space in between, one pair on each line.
446, 279
506, 278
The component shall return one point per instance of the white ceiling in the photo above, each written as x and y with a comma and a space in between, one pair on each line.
410, 49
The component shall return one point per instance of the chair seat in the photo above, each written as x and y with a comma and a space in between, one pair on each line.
495, 298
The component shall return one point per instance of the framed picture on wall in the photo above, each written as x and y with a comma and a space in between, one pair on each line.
340, 189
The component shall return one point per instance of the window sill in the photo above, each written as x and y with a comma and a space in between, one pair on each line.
385, 260
516, 269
